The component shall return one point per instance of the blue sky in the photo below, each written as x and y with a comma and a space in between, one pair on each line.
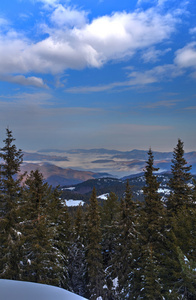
92, 74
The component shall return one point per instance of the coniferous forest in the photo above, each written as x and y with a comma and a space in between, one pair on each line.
124, 249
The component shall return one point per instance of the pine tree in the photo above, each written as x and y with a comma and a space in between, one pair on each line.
181, 225
126, 250
40, 256
77, 259
180, 195
152, 239
60, 224
182, 254
94, 255
109, 220
10, 196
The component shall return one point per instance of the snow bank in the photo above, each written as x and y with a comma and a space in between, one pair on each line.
20, 290
103, 197
72, 202
72, 188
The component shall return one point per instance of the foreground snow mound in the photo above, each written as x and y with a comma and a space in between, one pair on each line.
20, 290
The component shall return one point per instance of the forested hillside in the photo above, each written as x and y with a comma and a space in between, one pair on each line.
124, 249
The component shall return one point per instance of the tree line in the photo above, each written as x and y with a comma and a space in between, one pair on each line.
124, 249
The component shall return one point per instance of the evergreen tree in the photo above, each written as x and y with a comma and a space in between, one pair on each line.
126, 250
94, 255
182, 254
109, 220
60, 224
152, 240
181, 225
40, 256
77, 259
10, 197
180, 195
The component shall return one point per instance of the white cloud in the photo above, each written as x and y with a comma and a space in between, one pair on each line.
3, 22
96, 88
162, 103
22, 80
156, 74
67, 16
106, 38
153, 55
186, 57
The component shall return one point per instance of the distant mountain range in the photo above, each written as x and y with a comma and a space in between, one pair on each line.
59, 176
66, 167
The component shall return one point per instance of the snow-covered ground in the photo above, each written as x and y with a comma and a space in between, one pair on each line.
103, 197
20, 290
72, 202
71, 188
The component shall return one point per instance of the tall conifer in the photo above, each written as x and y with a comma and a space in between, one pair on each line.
10, 197
77, 259
181, 225
180, 195
152, 238
110, 217
126, 245
94, 250
40, 256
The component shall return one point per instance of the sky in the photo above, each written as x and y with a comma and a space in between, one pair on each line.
98, 74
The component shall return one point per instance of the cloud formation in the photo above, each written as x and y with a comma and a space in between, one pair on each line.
161, 104
135, 78
68, 17
186, 57
22, 80
75, 43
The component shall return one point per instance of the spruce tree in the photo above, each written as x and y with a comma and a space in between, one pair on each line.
60, 224
182, 254
40, 256
181, 225
180, 195
126, 249
109, 220
152, 240
77, 259
94, 250
10, 197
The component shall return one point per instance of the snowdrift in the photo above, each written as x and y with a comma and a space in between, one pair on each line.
20, 290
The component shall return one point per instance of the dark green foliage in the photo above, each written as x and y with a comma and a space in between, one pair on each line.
93, 248
182, 245
126, 247
110, 217
60, 223
152, 240
77, 258
40, 254
181, 191
181, 225
10, 197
